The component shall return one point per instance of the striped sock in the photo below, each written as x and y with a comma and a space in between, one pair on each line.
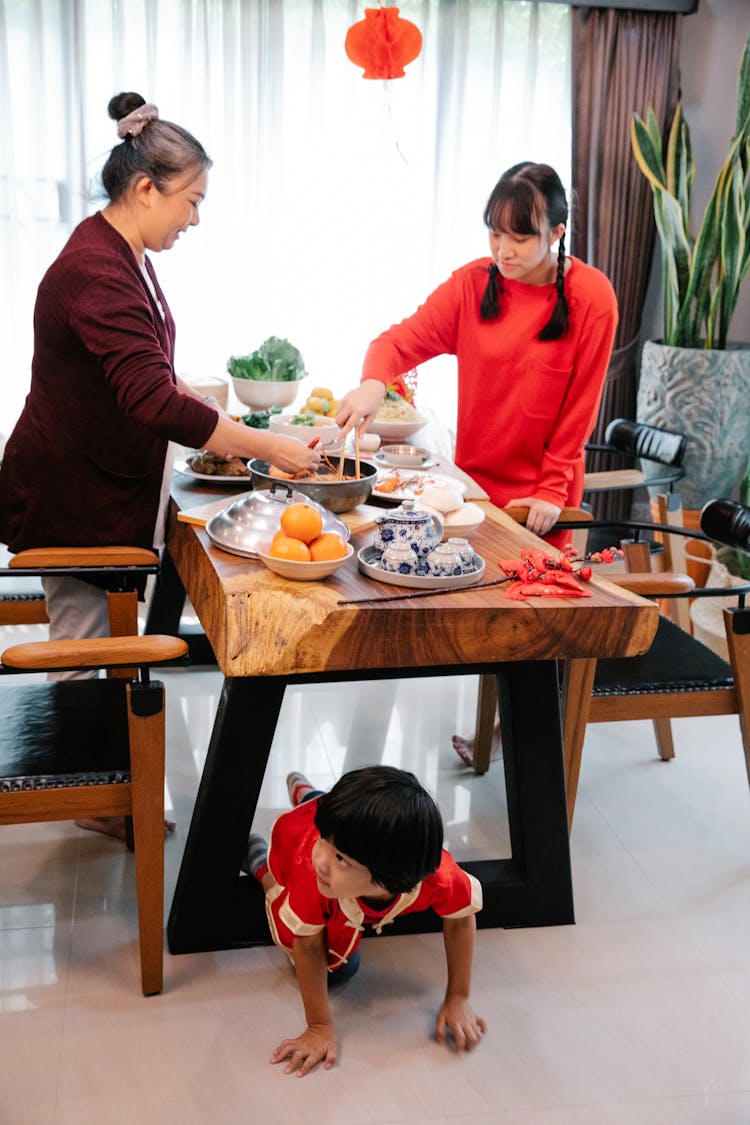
297, 787
256, 856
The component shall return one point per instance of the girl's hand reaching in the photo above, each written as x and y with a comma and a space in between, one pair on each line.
316, 1044
542, 515
359, 407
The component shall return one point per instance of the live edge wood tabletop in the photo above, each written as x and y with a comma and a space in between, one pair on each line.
268, 632
262, 625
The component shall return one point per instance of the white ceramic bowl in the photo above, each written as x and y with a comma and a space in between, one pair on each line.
464, 520
325, 432
260, 395
394, 431
405, 456
302, 571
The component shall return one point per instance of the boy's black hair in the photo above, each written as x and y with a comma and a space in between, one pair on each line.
384, 819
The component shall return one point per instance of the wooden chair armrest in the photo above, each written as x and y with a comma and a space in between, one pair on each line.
652, 584
612, 479
84, 556
520, 514
94, 652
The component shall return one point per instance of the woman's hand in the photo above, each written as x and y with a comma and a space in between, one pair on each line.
542, 515
316, 1044
359, 407
291, 455
457, 1016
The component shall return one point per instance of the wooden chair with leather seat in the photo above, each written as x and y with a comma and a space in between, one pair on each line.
629, 448
92, 747
487, 695
679, 676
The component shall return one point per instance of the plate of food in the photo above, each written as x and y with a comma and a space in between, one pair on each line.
397, 419
410, 484
207, 466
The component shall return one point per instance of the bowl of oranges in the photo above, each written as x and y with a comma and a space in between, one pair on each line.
301, 549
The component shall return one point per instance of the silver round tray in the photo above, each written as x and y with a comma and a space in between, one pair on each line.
252, 519
367, 558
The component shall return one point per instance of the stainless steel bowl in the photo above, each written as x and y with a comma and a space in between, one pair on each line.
335, 495
252, 519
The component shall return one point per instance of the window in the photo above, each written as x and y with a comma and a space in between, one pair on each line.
335, 203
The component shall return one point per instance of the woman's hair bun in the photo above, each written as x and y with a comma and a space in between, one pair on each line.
123, 104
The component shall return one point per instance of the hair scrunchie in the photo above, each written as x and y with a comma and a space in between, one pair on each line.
134, 122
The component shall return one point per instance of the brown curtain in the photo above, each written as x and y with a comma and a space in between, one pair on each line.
623, 62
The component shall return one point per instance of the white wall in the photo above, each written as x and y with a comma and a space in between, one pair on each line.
712, 43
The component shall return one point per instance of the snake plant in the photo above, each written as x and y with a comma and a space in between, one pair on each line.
702, 274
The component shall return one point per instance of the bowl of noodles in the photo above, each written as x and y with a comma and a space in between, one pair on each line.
397, 419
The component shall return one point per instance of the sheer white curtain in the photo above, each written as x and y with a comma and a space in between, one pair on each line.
335, 203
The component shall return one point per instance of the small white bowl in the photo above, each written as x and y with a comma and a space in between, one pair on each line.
325, 432
261, 395
464, 520
405, 456
302, 571
395, 431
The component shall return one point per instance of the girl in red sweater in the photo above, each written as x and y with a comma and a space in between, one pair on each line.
532, 331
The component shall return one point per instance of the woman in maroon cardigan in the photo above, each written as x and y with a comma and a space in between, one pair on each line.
87, 464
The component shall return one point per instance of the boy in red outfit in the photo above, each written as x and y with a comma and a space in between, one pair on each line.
360, 855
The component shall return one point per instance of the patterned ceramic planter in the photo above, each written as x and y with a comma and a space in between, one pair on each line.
704, 394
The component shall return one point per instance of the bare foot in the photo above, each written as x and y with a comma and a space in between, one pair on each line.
464, 747
115, 825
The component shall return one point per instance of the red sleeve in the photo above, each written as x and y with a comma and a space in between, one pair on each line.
431, 331
451, 891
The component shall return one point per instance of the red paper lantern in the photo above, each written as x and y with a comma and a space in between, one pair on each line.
383, 43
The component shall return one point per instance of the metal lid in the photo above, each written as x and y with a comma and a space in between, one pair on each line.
254, 518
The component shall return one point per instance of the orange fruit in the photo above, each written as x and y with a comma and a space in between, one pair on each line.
301, 521
285, 547
327, 546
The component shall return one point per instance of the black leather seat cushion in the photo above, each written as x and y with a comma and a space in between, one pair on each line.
675, 662
63, 734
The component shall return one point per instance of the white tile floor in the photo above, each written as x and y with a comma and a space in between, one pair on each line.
637, 1015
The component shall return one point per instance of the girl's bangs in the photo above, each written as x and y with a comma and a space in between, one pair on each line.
513, 209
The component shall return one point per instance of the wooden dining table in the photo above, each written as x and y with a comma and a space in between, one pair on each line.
268, 632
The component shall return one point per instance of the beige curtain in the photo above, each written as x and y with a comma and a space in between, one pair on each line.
623, 61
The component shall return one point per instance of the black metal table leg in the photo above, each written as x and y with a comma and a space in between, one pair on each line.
214, 908
210, 909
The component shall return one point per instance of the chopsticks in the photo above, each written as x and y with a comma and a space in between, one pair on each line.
356, 453
421, 593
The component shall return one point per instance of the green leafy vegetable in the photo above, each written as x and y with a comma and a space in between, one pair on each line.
307, 418
258, 419
276, 360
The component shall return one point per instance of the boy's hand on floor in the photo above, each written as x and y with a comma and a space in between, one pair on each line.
457, 1016
316, 1044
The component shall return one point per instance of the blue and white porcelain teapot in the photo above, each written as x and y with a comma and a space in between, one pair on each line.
408, 526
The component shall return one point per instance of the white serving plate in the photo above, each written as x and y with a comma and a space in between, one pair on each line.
414, 490
182, 466
367, 558
395, 431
